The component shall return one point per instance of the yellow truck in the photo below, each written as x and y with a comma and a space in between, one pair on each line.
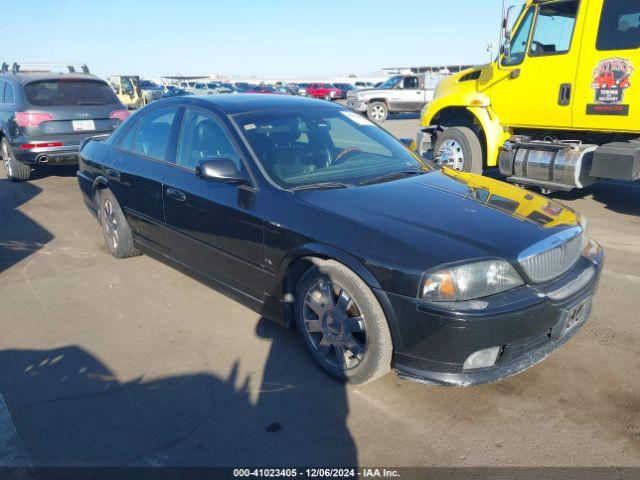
560, 106
128, 91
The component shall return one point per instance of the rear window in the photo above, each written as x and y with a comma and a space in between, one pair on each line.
69, 92
619, 26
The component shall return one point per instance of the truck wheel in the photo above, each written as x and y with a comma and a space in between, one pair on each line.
115, 229
459, 148
378, 112
15, 170
342, 324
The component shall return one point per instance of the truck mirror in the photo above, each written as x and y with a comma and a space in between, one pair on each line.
505, 41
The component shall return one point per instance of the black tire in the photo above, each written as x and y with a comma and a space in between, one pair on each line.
377, 111
115, 229
374, 336
467, 144
15, 171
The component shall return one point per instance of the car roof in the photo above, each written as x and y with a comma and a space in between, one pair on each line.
247, 102
25, 77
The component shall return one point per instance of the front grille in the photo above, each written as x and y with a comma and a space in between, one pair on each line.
553, 256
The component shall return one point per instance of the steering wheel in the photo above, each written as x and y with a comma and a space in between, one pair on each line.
344, 154
540, 47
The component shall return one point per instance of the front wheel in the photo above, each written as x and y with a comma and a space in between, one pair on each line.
459, 148
342, 324
378, 112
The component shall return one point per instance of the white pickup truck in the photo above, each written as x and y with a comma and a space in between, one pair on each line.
399, 94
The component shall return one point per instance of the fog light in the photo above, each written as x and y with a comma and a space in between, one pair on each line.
482, 358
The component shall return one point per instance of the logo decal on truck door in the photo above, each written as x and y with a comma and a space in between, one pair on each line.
610, 80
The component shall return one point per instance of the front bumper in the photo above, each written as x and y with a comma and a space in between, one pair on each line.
356, 105
526, 323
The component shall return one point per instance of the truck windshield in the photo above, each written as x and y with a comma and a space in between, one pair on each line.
69, 92
325, 147
391, 82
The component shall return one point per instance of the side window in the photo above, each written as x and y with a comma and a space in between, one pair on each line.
152, 135
126, 142
202, 138
9, 96
554, 28
519, 41
2, 82
410, 83
619, 26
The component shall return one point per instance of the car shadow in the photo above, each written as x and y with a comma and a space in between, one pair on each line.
45, 171
620, 197
20, 236
69, 409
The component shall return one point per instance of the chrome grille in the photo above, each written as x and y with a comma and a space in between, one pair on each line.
553, 256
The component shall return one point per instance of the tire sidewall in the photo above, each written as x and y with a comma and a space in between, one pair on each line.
370, 110
472, 163
125, 242
369, 368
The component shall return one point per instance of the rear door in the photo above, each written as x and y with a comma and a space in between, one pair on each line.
535, 85
214, 228
606, 81
75, 107
138, 171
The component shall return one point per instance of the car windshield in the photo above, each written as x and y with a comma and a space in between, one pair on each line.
69, 92
391, 82
325, 146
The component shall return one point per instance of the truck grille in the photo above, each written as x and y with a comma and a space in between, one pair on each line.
553, 256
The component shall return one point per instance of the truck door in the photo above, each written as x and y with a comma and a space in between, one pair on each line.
409, 95
534, 85
606, 81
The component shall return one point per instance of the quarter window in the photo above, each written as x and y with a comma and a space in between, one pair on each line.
126, 142
9, 96
519, 41
203, 138
2, 91
619, 26
152, 135
554, 29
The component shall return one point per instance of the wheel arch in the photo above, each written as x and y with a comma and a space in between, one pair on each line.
305, 257
99, 183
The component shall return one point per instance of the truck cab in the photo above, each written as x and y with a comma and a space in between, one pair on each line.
128, 91
555, 109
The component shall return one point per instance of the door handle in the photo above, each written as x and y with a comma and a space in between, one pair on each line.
176, 194
112, 173
515, 74
564, 97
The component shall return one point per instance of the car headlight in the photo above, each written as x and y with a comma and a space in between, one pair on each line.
469, 281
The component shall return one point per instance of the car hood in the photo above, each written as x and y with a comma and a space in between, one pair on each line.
448, 215
368, 92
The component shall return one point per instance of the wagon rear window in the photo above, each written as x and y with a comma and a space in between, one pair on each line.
619, 26
69, 92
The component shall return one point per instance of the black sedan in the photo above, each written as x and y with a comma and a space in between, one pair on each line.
322, 221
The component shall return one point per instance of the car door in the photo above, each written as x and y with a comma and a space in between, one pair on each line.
214, 228
411, 96
606, 81
535, 85
137, 172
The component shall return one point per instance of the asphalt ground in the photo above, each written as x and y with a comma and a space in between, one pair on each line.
131, 363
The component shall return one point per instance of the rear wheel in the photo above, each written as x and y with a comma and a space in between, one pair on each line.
378, 112
115, 229
459, 148
15, 170
342, 324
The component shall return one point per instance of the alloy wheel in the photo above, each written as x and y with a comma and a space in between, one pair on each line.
110, 223
451, 155
378, 113
334, 325
7, 162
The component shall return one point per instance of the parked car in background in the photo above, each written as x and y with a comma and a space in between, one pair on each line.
400, 93
128, 91
217, 87
344, 88
243, 87
360, 84
172, 91
265, 89
315, 217
150, 90
45, 116
302, 89
323, 90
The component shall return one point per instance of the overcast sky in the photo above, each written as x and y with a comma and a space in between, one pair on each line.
288, 38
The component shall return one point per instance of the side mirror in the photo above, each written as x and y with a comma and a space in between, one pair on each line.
505, 43
221, 170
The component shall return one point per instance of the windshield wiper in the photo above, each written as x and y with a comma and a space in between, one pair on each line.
321, 185
391, 176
